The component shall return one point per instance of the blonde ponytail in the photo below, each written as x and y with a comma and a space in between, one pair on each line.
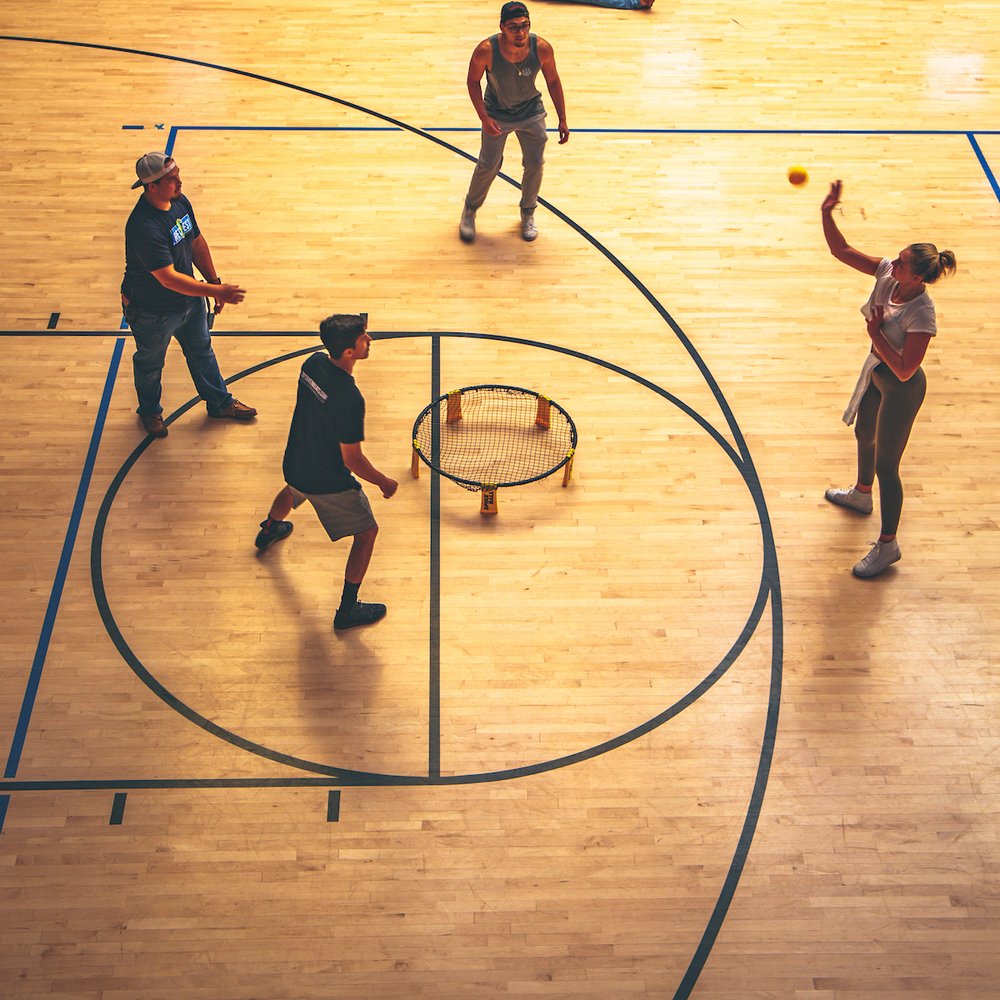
928, 264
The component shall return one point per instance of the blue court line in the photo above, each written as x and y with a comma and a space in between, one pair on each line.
590, 131
774, 131
982, 161
34, 678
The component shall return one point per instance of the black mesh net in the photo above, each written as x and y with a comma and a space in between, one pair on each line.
498, 440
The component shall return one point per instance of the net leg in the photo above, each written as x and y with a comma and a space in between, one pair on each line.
454, 406
542, 414
489, 504
568, 470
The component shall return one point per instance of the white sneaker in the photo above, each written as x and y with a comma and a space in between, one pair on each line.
467, 227
853, 498
881, 557
529, 231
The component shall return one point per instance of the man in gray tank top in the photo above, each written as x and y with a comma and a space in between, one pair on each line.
512, 103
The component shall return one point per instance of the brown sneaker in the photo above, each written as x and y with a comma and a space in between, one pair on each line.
236, 411
153, 422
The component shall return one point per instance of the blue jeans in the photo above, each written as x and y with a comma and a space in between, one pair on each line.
152, 333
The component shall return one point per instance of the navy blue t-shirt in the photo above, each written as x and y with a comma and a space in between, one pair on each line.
155, 239
329, 411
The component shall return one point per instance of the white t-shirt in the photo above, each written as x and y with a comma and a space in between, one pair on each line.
899, 319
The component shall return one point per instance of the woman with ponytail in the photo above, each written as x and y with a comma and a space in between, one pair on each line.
900, 320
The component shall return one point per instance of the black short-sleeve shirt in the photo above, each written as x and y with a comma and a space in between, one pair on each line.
155, 239
329, 411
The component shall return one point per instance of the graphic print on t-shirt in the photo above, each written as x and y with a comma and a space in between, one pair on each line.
180, 229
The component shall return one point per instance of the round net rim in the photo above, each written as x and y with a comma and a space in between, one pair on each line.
475, 484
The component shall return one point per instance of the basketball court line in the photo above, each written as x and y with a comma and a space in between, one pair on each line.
768, 588
434, 632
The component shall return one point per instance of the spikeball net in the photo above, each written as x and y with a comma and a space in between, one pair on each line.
487, 437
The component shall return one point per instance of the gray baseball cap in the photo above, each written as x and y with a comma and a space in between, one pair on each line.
152, 167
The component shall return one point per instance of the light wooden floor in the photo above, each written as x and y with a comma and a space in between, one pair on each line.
642, 737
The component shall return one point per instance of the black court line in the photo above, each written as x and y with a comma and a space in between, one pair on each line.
434, 629
352, 776
770, 563
118, 806
118, 809
333, 807
111, 334
110, 784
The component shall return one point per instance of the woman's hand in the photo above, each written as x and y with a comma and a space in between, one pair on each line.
831, 201
875, 321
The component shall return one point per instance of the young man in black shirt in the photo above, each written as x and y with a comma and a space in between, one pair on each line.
324, 449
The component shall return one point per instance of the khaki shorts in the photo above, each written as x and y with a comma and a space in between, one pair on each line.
342, 514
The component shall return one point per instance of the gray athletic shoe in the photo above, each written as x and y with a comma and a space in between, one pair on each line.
529, 231
853, 498
881, 557
467, 227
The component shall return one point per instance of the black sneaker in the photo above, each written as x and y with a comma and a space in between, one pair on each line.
360, 614
267, 538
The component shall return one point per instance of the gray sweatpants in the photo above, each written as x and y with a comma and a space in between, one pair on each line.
531, 135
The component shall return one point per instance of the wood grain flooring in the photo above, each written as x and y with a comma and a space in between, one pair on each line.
644, 736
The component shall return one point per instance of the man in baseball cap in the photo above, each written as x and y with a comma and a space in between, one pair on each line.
152, 167
162, 299
511, 10
511, 60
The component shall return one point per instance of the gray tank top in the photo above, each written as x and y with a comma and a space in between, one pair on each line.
511, 94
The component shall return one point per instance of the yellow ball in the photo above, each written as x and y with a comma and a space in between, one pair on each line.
797, 175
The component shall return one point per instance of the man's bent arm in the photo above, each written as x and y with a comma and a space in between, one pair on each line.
173, 279
355, 460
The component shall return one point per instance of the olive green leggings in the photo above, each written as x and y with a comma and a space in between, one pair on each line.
885, 419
